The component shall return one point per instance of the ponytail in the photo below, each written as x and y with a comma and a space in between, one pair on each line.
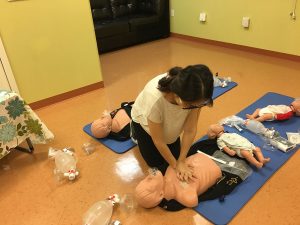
191, 83
164, 83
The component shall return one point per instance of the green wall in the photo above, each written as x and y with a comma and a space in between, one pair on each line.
51, 46
271, 26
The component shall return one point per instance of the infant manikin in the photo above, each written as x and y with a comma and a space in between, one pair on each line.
235, 144
276, 112
151, 191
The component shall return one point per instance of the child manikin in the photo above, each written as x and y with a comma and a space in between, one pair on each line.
150, 191
233, 143
276, 112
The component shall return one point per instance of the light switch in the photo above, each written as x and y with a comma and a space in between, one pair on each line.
246, 22
202, 17
172, 12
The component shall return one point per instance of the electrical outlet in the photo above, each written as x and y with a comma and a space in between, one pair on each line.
246, 22
202, 17
172, 12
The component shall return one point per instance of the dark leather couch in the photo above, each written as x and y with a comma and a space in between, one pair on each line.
121, 23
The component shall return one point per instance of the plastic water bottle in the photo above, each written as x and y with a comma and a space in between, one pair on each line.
100, 213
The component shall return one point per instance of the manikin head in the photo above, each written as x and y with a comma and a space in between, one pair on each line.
150, 191
215, 131
101, 127
296, 106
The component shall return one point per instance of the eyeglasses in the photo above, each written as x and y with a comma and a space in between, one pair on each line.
206, 103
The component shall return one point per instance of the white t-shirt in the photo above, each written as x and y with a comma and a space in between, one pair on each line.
151, 104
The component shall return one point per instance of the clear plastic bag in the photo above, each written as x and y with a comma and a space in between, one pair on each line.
233, 165
221, 82
233, 121
88, 148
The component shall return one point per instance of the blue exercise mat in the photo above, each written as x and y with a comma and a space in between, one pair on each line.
221, 90
222, 212
116, 146
123, 146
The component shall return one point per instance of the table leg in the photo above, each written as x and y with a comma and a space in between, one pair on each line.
30, 148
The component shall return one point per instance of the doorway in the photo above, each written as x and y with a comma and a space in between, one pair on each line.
7, 80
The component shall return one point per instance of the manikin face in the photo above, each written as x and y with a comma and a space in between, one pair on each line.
215, 131
150, 191
296, 106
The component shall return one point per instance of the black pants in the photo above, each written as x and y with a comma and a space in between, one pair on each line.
149, 151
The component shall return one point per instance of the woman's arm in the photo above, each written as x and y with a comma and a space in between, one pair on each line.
189, 132
156, 133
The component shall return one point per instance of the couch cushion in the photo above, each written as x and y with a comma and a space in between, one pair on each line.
147, 6
101, 9
111, 28
98, 4
119, 8
140, 21
100, 14
132, 6
123, 8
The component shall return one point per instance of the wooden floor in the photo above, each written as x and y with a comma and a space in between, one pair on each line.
29, 194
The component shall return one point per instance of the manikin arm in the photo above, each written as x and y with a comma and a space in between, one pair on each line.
222, 145
190, 200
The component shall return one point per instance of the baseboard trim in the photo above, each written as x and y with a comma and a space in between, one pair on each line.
281, 55
66, 95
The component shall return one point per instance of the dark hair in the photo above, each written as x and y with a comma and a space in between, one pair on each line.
191, 83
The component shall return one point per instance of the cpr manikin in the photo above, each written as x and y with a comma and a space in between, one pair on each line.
150, 191
110, 123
